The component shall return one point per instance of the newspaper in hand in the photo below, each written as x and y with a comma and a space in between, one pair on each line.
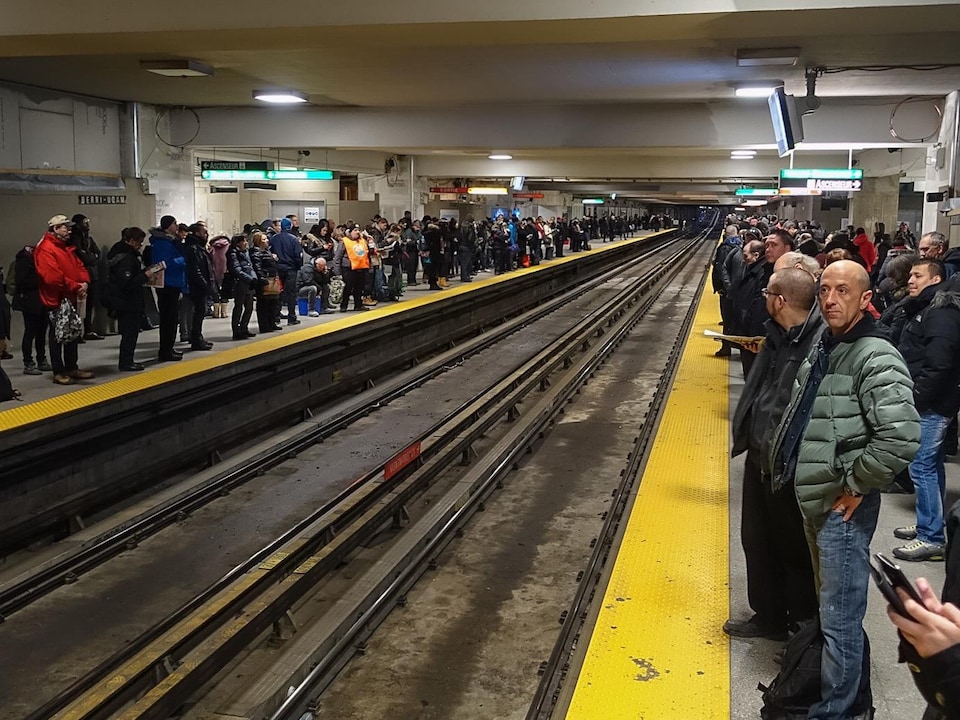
742, 340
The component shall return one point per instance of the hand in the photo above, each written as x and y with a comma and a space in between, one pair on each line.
935, 627
846, 505
752, 347
82, 292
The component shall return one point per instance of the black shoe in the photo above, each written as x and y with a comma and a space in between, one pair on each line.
133, 367
249, 334
6, 356
239, 336
172, 357
293, 322
92, 336
360, 308
147, 325
722, 352
276, 328
203, 345
754, 628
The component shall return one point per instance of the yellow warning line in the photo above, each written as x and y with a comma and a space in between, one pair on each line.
658, 652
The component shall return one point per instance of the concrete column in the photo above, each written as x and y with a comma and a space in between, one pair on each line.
879, 201
942, 166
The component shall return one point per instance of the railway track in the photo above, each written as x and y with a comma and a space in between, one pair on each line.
158, 674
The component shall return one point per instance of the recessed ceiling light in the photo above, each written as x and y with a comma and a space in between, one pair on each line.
743, 153
741, 157
487, 191
500, 156
177, 68
758, 57
280, 97
757, 90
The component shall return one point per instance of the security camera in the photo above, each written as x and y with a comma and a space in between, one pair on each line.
304, 153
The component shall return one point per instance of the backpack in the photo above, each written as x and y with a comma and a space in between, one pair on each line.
797, 686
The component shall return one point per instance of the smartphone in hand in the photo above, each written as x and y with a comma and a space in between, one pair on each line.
888, 576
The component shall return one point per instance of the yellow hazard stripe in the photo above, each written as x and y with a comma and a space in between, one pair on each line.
657, 651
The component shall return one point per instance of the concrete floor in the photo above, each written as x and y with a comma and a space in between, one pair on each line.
751, 661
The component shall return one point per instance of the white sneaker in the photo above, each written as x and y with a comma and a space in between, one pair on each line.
313, 313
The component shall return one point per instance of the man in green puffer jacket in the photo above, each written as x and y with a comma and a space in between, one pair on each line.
851, 425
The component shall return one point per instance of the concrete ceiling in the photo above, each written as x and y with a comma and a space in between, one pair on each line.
511, 55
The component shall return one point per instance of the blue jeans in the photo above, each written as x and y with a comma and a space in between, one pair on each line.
841, 559
929, 478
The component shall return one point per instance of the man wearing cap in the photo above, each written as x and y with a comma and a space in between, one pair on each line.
61, 276
286, 246
165, 246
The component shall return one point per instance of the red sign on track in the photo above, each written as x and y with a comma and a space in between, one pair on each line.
399, 461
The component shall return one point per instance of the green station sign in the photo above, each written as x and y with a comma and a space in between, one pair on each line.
756, 192
820, 180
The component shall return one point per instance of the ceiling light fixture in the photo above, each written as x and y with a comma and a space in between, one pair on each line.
500, 156
177, 68
486, 191
280, 97
741, 157
743, 153
758, 89
759, 57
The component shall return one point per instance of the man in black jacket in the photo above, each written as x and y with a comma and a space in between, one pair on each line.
780, 584
89, 253
748, 302
200, 280
124, 288
930, 345
729, 245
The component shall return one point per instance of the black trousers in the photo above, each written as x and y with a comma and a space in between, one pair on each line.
354, 282
780, 584
411, 263
289, 295
199, 313
63, 358
34, 335
168, 300
746, 360
242, 310
128, 323
268, 308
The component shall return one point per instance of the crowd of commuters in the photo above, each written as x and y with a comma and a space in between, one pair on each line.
850, 348
174, 276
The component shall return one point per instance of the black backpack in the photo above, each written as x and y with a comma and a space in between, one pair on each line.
797, 686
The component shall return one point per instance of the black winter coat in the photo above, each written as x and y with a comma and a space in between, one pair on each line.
241, 267
27, 297
719, 259
125, 279
930, 345
770, 382
264, 264
748, 302
200, 276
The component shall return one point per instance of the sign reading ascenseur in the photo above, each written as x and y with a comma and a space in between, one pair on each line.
820, 180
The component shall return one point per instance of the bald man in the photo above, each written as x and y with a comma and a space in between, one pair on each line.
794, 259
780, 585
851, 425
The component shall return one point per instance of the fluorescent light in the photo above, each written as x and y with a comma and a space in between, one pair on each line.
500, 156
592, 201
280, 97
743, 153
177, 68
739, 209
487, 191
757, 90
759, 57
741, 157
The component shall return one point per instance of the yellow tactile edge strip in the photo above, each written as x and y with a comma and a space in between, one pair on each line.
29, 413
657, 651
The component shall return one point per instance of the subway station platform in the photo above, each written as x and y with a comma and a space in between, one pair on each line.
656, 650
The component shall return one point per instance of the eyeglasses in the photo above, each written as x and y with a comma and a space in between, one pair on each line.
767, 293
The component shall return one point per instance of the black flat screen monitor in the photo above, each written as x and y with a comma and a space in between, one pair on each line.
787, 125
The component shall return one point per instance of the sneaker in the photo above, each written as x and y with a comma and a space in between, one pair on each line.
63, 380
754, 628
44, 365
313, 313
919, 550
909, 532
31, 369
92, 336
328, 311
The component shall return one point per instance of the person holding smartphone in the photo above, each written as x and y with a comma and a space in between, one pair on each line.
932, 633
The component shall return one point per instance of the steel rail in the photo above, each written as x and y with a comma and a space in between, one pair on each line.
302, 698
287, 565
554, 670
38, 584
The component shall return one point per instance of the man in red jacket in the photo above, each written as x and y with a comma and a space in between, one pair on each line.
62, 276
